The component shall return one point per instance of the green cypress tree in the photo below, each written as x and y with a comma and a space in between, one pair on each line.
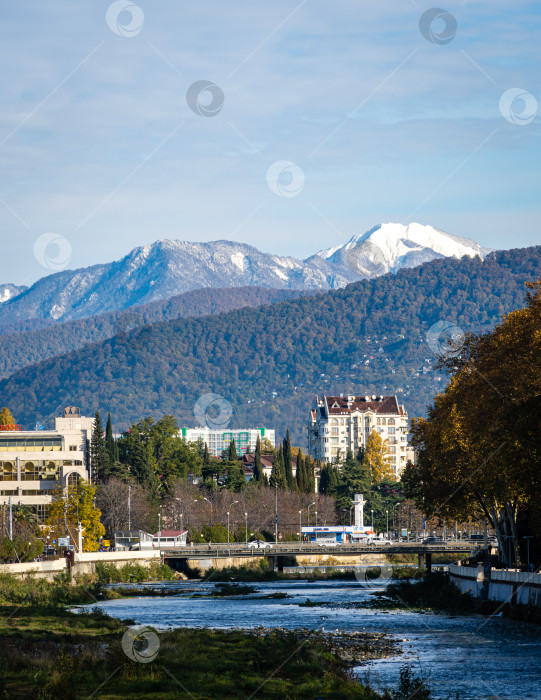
278, 476
99, 457
232, 452
109, 439
288, 462
258, 467
309, 475
300, 476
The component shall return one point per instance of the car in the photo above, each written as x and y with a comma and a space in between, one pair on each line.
328, 543
433, 540
379, 540
259, 544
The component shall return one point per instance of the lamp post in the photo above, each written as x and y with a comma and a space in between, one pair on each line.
316, 520
232, 504
210, 504
311, 504
395, 527
129, 508
372, 520
276, 515
387, 513
246, 524
300, 524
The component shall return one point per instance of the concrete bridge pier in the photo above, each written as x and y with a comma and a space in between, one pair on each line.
425, 561
275, 562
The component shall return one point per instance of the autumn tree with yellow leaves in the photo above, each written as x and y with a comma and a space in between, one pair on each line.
376, 458
72, 506
479, 451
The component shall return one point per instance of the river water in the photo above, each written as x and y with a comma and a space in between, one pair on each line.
469, 657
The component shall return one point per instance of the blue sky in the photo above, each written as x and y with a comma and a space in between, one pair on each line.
99, 145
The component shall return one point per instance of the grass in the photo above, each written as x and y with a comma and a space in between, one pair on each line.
50, 653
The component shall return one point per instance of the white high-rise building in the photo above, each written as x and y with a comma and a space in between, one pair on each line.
217, 441
342, 423
34, 462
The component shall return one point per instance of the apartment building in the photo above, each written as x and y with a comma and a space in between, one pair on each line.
34, 462
341, 423
217, 441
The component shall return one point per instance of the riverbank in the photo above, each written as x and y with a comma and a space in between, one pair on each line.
50, 653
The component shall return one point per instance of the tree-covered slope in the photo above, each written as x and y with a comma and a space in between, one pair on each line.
28, 346
370, 337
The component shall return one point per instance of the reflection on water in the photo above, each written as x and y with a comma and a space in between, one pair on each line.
474, 657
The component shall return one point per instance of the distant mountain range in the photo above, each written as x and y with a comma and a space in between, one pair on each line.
375, 336
168, 268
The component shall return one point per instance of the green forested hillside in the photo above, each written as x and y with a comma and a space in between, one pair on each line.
269, 362
27, 345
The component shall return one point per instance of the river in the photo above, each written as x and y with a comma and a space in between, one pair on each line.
469, 657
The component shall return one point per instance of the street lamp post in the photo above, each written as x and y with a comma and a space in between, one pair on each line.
210, 504
232, 504
372, 520
311, 504
276, 515
129, 507
246, 524
387, 513
300, 525
316, 520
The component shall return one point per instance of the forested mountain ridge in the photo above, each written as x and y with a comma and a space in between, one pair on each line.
30, 346
269, 362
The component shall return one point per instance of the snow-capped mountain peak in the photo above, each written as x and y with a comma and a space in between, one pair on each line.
389, 247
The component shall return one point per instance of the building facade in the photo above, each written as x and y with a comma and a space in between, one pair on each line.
35, 462
341, 423
217, 441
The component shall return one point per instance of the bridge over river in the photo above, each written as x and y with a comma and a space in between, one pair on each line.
278, 554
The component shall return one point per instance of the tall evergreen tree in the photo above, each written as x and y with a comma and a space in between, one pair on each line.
232, 455
99, 456
309, 475
300, 476
288, 462
258, 467
109, 439
278, 476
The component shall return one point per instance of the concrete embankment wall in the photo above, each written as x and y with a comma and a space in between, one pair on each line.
84, 564
514, 587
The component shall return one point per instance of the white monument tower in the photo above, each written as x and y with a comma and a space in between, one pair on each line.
358, 502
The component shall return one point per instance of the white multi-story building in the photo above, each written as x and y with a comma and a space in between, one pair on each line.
219, 440
34, 462
341, 423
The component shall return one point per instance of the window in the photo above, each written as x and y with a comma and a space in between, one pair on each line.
334, 441
334, 431
73, 448
392, 431
8, 471
30, 472
73, 480
390, 421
